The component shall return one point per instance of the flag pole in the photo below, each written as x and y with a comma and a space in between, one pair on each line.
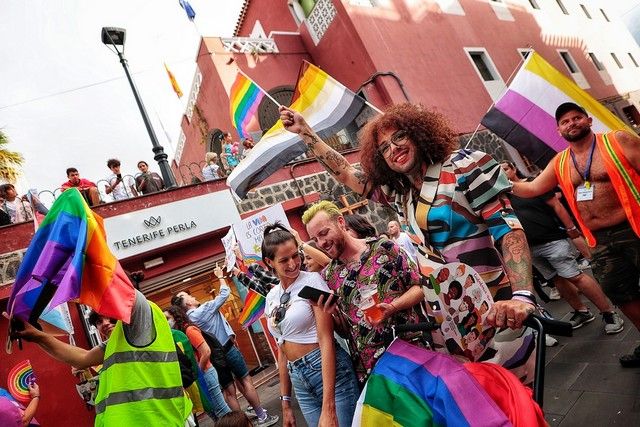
513, 73
260, 87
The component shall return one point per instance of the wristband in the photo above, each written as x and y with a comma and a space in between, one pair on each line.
572, 228
285, 398
35, 397
524, 295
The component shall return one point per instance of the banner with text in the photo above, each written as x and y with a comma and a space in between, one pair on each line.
249, 231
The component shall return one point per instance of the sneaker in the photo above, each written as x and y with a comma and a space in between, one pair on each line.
584, 264
250, 412
554, 294
268, 420
613, 323
550, 341
631, 360
580, 318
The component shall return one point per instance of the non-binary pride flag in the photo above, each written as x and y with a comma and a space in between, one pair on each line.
326, 105
69, 258
244, 99
18, 380
254, 305
525, 115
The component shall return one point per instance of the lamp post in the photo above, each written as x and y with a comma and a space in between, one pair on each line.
112, 36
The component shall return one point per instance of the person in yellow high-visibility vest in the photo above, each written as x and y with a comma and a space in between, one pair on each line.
140, 381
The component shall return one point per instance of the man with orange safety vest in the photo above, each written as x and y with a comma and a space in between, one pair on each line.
599, 175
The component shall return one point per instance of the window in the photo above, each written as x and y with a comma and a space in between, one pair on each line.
534, 4
615, 58
606, 18
524, 52
480, 61
486, 71
586, 12
574, 69
562, 8
596, 62
633, 59
568, 60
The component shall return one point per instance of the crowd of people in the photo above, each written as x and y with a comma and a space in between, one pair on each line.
469, 230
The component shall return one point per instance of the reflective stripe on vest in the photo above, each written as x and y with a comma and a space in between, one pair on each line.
137, 395
139, 356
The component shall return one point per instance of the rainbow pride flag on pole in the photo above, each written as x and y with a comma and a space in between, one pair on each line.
525, 115
254, 305
69, 258
328, 107
410, 386
244, 99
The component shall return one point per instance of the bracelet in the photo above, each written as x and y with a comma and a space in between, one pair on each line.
395, 309
572, 228
524, 295
285, 398
301, 246
36, 397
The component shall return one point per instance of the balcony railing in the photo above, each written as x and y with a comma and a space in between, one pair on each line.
249, 45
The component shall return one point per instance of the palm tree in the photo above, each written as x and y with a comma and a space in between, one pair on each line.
10, 161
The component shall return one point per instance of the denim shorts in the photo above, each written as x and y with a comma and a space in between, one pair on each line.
616, 263
555, 258
236, 363
306, 378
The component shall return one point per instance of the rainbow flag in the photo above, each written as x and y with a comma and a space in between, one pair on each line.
328, 107
254, 305
525, 115
244, 99
68, 258
411, 386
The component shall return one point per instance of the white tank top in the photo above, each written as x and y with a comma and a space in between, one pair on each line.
299, 323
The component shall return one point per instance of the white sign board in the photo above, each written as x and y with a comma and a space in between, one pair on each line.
229, 241
141, 231
249, 231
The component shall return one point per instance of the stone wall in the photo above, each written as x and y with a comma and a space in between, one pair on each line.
9, 264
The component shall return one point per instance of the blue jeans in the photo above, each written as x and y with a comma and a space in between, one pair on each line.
306, 377
236, 363
220, 407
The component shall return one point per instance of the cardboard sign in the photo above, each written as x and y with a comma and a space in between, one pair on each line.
249, 231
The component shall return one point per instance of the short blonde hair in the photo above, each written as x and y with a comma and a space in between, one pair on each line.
210, 156
326, 206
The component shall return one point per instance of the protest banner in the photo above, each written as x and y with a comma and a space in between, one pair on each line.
249, 231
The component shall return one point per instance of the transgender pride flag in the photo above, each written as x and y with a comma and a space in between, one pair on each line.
524, 115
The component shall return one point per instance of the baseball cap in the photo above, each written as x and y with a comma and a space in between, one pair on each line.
566, 107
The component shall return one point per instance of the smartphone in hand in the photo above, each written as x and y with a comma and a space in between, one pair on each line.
119, 176
314, 294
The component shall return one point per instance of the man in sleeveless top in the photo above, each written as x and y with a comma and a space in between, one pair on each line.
599, 175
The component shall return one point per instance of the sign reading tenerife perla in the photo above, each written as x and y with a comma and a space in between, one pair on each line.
141, 231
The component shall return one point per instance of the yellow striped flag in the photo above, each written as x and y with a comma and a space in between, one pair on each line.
174, 82
525, 115
328, 107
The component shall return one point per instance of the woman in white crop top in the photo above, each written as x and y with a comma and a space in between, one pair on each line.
321, 373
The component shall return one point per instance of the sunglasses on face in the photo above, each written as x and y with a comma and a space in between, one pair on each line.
399, 138
279, 312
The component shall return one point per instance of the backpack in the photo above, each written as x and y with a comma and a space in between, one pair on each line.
186, 369
218, 356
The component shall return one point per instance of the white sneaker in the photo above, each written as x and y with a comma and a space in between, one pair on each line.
554, 294
268, 420
613, 323
550, 341
584, 264
250, 412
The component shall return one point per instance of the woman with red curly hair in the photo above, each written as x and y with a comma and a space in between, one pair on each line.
452, 199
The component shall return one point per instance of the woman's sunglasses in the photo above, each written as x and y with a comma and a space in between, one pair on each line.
279, 312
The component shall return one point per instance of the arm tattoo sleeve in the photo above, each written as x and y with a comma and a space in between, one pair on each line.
517, 260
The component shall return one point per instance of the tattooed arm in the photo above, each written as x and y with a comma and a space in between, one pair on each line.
332, 161
517, 259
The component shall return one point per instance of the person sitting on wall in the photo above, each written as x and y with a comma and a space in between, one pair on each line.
88, 189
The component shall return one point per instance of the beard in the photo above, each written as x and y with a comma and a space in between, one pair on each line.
577, 137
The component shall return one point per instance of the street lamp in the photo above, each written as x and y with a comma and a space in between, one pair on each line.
112, 36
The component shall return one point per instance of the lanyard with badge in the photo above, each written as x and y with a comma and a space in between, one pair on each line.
584, 192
